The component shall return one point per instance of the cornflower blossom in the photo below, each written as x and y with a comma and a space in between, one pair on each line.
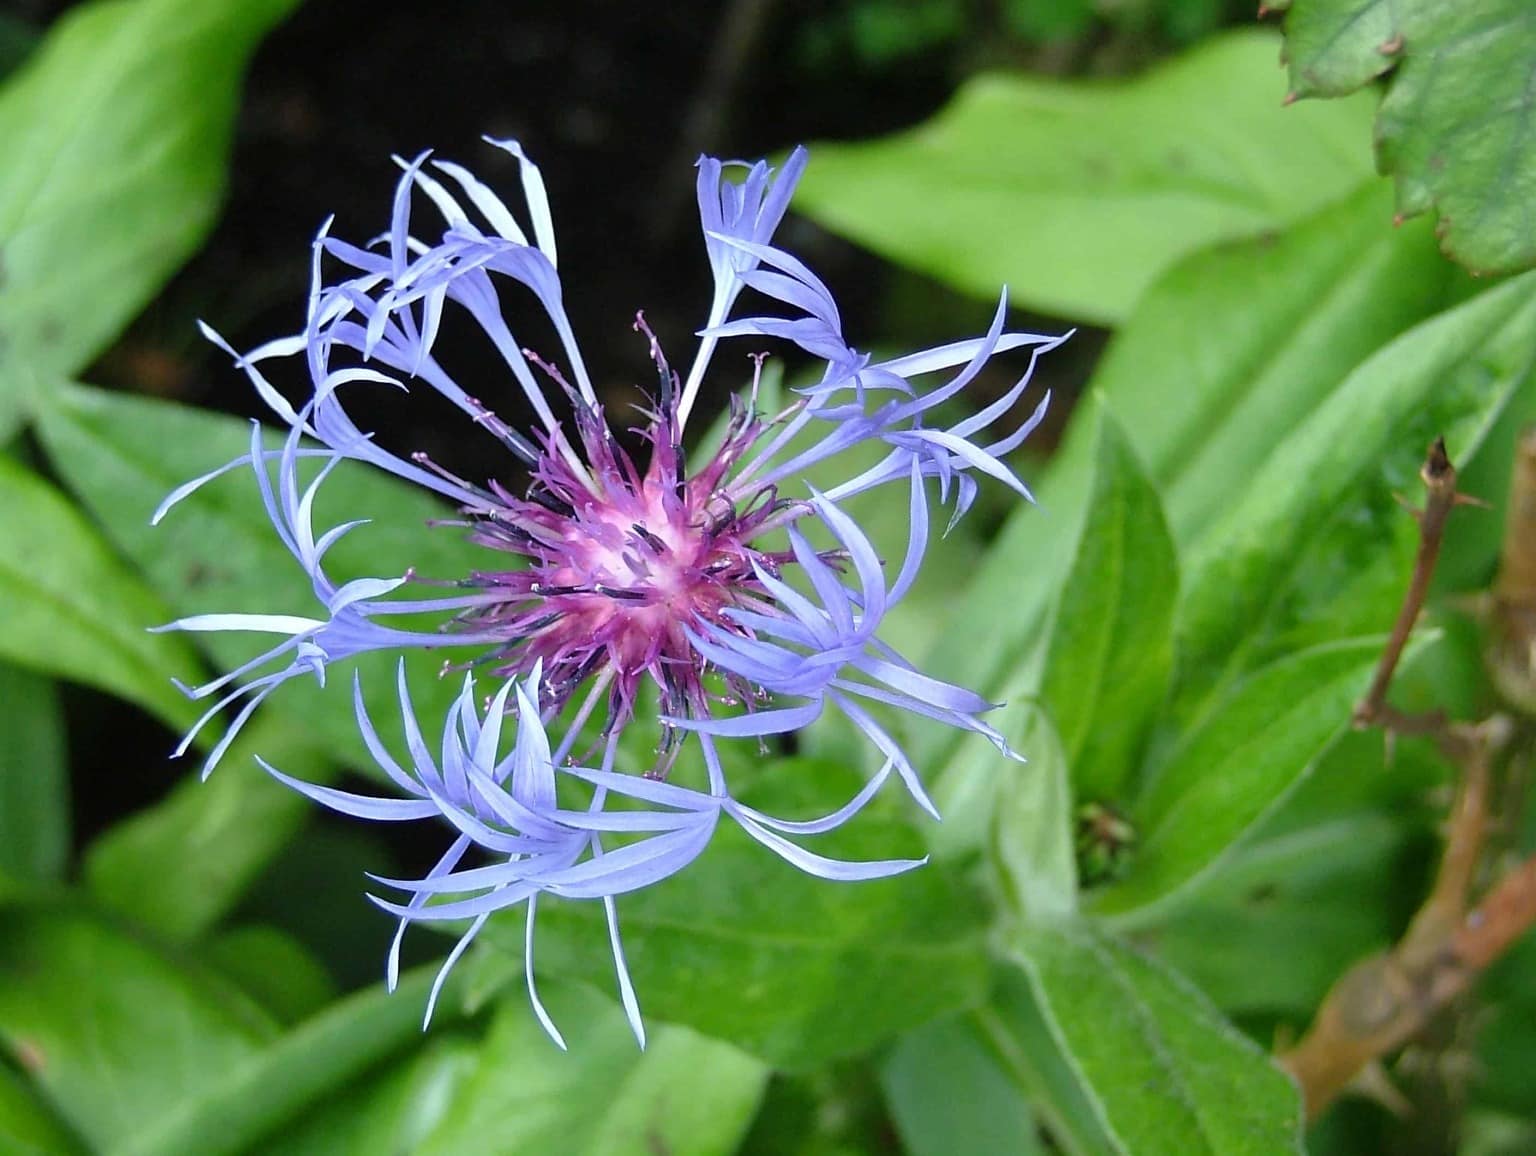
508, 807
605, 575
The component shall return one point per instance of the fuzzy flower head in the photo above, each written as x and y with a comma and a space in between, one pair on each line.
608, 570
619, 564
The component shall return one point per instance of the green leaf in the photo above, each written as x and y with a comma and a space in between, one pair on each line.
114, 1033
1032, 843
1454, 125
1239, 345
70, 608
1232, 348
1454, 129
181, 865
1223, 777
947, 1093
684, 1094
34, 779
1226, 354
391, 1110
1334, 47
250, 1099
1077, 195
747, 949
1163, 1070
1014, 1026
116, 134
1291, 914
1111, 644
27, 1126
274, 969
217, 550
1318, 546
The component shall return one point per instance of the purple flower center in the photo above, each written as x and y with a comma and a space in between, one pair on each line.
623, 564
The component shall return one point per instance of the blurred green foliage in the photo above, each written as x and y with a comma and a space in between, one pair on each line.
1076, 196
117, 131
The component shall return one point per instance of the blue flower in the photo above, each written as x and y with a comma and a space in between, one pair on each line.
610, 574
509, 809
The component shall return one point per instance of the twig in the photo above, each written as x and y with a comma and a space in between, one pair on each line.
1506, 913
1439, 478
1385, 1000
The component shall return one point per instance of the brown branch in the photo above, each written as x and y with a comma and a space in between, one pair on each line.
1385, 1000
1465, 835
1506, 913
1439, 478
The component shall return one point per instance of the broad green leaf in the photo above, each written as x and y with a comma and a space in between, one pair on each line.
217, 550
1453, 127
243, 1105
1029, 1049
1032, 844
1164, 1071
1077, 195
272, 968
27, 1126
1317, 546
1231, 349
1291, 914
1363, 772
1334, 47
948, 1093
34, 779
1228, 352
390, 1111
683, 1094
116, 134
69, 607
747, 949
179, 866
1237, 347
1111, 643
1224, 776
114, 1033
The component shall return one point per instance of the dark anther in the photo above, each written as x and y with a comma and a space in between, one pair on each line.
621, 593
540, 496
542, 588
648, 538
